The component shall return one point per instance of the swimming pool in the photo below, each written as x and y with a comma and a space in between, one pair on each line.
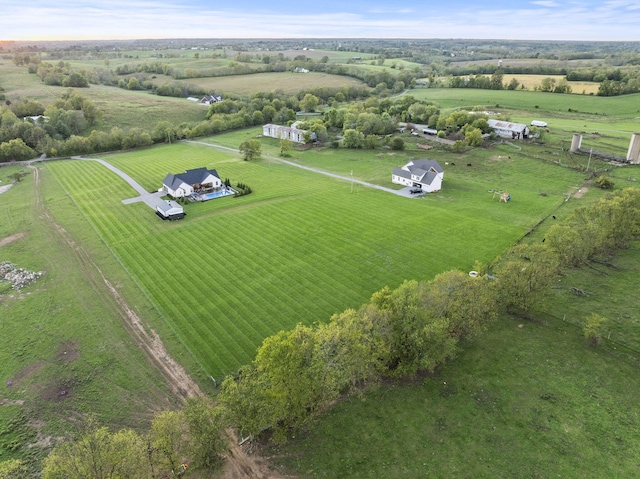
215, 194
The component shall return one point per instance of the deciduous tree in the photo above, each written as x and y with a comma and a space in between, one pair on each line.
251, 149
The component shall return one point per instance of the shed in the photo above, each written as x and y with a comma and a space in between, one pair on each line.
542, 124
170, 210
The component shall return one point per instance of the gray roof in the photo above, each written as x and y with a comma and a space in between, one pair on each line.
168, 205
424, 169
507, 125
190, 177
427, 164
402, 173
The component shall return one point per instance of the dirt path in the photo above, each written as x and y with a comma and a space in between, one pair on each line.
7, 240
179, 381
239, 464
402, 192
582, 191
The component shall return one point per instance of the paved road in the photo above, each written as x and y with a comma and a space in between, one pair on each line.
151, 199
403, 192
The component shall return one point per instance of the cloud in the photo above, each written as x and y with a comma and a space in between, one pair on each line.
121, 19
546, 3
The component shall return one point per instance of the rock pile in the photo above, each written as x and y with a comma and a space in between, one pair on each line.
19, 277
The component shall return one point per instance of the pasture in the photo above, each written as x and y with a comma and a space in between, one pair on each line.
63, 332
607, 122
526, 400
299, 248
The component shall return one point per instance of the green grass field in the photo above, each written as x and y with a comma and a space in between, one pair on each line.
302, 246
522, 402
63, 333
290, 83
606, 123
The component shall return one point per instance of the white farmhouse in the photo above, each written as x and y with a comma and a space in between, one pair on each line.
284, 133
425, 174
506, 129
198, 180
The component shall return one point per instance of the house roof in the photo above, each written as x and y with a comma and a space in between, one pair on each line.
168, 205
506, 125
190, 177
197, 175
426, 170
425, 164
280, 128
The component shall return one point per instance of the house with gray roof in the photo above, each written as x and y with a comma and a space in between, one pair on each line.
198, 180
424, 173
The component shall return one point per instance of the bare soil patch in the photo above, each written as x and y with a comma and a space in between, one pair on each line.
67, 351
583, 191
7, 240
27, 371
242, 465
56, 389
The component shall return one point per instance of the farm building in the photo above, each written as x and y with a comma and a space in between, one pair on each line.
541, 124
425, 174
300, 70
284, 133
170, 210
506, 129
199, 180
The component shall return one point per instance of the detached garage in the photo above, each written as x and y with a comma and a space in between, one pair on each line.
170, 210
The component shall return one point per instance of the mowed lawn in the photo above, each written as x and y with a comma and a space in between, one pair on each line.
301, 247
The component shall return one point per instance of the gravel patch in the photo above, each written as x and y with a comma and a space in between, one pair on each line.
19, 277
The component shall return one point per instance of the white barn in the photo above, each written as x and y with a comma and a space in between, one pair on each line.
426, 174
506, 129
198, 180
284, 133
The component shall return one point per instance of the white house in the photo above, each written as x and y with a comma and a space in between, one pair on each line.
300, 70
506, 129
198, 180
210, 99
426, 174
284, 133
170, 210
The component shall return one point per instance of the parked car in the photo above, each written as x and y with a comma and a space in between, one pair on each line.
415, 190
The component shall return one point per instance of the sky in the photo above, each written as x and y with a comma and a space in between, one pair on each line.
490, 19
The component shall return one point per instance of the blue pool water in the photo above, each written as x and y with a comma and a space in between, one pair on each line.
215, 194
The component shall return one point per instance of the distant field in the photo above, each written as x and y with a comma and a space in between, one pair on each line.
298, 249
533, 81
532, 62
288, 82
619, 107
